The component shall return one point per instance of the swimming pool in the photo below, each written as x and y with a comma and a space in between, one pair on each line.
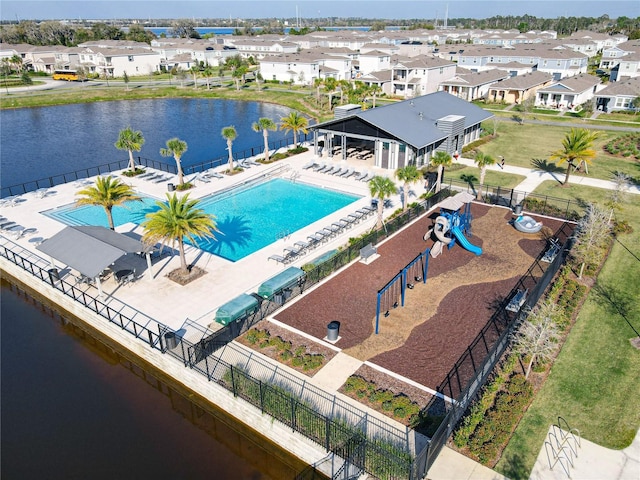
247, 219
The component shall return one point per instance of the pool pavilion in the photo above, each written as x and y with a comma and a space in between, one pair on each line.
400, 134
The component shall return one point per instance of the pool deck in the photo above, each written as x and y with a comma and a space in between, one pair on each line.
166, 301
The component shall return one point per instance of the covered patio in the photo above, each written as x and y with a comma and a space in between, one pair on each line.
93, 251
403, 133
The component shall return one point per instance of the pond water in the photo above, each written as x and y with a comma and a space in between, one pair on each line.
73, 407
45, 141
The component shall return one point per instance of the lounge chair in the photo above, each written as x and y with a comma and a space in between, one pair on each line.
146, 175
339, 171
360, 176
162, 178
319, 167
277, 258
355, 217
302, 245
329, 169
348, 221
309, 165
347, 173
341, 224
7, 225
291, 251
315, 238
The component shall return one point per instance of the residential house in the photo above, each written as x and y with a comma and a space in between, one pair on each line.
548, 57
416, 76
628, 67
259, 48
114, 62
519, 88
568, 93
473, 85
618, 95
611, 56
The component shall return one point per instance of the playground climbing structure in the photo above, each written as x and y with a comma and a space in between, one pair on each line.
452, 225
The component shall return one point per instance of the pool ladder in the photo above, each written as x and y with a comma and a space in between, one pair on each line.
283, 235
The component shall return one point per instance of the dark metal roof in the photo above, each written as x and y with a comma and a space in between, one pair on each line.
88, 249
414, 121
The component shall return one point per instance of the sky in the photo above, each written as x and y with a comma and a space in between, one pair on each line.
240, 9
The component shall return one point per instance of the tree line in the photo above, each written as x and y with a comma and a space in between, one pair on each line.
59, 33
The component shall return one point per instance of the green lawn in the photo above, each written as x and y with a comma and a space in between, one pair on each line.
594, 383
530, 145
493, 178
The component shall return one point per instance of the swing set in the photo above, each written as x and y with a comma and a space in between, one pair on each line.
392, 295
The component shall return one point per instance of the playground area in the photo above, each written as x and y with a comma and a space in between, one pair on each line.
423, 339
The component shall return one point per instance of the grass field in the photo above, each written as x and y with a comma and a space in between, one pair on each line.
530, 145
594, 383
493, 178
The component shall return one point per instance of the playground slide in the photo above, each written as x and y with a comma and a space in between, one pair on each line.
464, 243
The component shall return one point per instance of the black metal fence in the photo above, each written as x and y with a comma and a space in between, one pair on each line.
320, 416
243, 154
363, 442
532, 202
52, 181
469, 374
150, 332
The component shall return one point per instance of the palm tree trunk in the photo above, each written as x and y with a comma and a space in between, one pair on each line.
380, 209
566, 177
405, 196
295, 139
483, 172
265, 134
439, 178
183, 258
132, 163
230, 156
180, 174
110, 218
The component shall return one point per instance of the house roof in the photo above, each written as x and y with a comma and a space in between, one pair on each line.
89, 249
576, 84
626, 88
524, 82
478, 78
414, 121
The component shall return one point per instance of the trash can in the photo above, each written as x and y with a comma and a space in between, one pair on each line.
333, 329
54, 275
171, 339
171, 187
518, 209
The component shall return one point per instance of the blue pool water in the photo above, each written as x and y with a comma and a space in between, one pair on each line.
247, 220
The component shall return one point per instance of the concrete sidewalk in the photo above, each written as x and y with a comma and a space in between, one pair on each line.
592, 462
535, 177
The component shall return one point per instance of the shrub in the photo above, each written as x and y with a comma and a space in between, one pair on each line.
137, 171
184, 186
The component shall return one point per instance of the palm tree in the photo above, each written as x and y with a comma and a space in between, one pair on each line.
576, 147
407, 175
374, 89
107, 192
381, 188
440, 159
296, 122
230, 134
175, 148
263, 125
177, 219
483, 160
131, 141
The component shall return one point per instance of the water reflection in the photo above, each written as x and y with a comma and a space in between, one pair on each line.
73, 407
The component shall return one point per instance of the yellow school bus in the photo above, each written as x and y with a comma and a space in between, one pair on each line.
68, 75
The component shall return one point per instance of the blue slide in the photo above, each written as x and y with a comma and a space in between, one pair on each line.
464, 243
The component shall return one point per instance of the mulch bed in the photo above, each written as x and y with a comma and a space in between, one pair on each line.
422, 340
295, 339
